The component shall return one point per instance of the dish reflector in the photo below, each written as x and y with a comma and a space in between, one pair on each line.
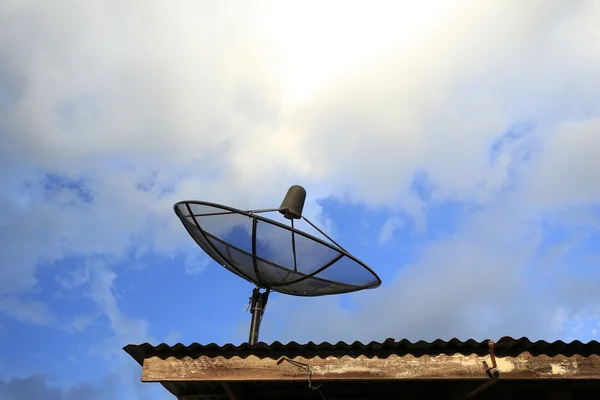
273, 255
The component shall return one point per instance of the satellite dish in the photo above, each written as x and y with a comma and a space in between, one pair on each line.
273, 255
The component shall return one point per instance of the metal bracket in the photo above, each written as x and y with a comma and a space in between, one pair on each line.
305, 367
492, 372
249, 303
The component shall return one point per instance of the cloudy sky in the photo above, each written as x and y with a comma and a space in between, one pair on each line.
453, 146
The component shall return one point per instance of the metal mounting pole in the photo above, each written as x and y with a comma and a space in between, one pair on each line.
258, 304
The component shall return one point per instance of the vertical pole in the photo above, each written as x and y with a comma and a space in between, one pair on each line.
259, 302
256, 310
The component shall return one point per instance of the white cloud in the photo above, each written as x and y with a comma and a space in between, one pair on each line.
103, 292
81, 322
35, 312
569, 161
195, 265
37, 386
389, 228
74, 278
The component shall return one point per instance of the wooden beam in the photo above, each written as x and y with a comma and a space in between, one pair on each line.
403, 367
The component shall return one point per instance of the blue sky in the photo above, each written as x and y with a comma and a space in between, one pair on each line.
452, 146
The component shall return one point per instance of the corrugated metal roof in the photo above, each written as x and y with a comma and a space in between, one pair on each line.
504, 346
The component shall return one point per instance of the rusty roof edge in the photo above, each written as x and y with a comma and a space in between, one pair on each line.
138, 352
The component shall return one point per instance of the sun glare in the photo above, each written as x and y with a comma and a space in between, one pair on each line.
318, 41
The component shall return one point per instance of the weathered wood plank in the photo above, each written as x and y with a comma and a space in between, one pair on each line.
455, 366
